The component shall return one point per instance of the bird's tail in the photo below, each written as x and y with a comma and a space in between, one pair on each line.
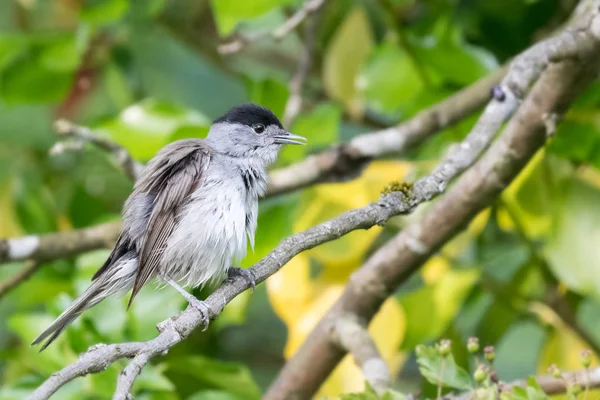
119, 278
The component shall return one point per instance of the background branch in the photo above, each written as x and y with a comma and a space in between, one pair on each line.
9, 284
354, 338
57, 245
395, 261
82, 135
308, 8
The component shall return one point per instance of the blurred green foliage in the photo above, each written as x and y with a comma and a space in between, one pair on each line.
147, 72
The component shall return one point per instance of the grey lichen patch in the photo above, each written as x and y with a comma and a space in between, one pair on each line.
397, 186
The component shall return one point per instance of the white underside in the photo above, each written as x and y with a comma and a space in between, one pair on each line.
210, 236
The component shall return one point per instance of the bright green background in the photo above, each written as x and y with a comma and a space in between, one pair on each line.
146, 72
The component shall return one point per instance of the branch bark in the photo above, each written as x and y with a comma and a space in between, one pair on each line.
394, 262
57, 245
354, 338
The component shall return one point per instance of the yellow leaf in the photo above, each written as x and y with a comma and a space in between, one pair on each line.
344, 57
327, 201
290, 289
533, 193
479, 222
434, 269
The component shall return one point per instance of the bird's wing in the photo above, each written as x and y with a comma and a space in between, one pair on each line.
169, 178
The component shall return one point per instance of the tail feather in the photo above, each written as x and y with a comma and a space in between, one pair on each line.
118, 278
69, 315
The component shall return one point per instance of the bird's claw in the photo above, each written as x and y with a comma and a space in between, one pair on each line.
202, 308
244, 273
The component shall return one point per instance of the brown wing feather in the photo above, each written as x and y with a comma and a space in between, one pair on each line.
172, 176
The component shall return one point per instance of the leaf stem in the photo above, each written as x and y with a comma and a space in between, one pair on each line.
439, 388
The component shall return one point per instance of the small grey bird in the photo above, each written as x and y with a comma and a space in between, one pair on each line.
190, 212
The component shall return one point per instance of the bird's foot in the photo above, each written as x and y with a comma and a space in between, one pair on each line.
244, 273
202, 307
199, 305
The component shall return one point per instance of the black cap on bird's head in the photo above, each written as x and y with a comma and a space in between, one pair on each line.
253, 126
250, 114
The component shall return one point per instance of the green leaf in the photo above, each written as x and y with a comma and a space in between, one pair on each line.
430, 364
228, 13
117, 86
320, 126
532, 391
576, 141
11, 47
370, 394
452, 58
145, 127
213, 374
103, 11
344, 58
213, 395
28, 82
389, 80
270, 93
489, 393
572, 249
441, 301
62, 56
174, 73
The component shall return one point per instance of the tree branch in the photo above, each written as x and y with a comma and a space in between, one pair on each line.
57, 245
178, 328
395, 261
308, 8
80, 135
335, 164
354, 338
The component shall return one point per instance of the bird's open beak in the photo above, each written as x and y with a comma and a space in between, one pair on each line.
289, 138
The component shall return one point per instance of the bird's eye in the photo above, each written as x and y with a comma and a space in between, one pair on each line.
258, 128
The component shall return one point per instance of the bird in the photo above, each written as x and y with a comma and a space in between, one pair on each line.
191, 213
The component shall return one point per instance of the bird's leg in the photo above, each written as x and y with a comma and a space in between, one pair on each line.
244, 273
199, 305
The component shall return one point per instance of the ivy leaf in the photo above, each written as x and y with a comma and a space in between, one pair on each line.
430, 365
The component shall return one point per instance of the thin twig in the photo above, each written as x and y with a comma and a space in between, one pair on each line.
81, 134
129, 374
308, 8
30, 268
294, 102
